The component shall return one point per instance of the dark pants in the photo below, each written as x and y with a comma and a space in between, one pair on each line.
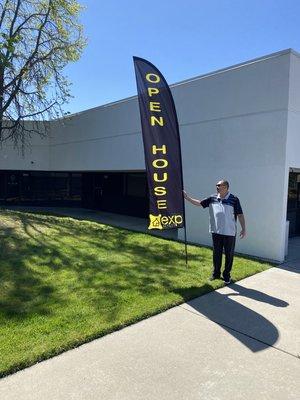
227, 243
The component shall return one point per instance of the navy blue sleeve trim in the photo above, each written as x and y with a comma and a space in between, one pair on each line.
237, 207
205, 202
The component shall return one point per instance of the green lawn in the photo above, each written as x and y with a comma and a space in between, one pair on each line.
64, 282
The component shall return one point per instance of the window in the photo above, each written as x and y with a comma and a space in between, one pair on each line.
294, 191
137, 185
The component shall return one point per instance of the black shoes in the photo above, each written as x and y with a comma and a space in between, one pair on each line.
213, 278
227, 281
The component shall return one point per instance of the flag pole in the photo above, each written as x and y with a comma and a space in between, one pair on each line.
185, 243
181, 171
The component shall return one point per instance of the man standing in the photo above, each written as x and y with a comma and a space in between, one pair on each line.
224, 209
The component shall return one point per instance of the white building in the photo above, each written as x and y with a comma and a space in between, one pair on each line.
241, 123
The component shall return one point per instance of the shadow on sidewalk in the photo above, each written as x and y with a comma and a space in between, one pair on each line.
240, 321
256, 295
291, 266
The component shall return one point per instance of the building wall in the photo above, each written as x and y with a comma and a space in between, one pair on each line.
104, 138
293, 142
233, 125
293, 130
35, 156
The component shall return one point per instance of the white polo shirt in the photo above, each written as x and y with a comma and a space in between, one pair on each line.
222, 213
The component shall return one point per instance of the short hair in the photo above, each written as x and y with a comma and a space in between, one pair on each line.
226, 183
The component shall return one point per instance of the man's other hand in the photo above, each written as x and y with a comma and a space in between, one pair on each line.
243, 233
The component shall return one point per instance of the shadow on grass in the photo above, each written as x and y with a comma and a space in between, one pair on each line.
110, 261
49, 263
23, 290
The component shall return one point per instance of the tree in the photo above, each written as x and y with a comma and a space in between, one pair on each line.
38, 38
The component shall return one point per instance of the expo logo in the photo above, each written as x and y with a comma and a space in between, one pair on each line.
159, 222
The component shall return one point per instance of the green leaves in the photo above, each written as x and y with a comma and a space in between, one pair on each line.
38, 38
9, 43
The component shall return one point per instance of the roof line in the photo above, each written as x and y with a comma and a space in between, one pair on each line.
239, 65
207, 75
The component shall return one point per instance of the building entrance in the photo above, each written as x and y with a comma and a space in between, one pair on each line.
293, 204
116, 192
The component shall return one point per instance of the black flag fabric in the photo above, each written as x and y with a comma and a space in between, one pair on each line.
161, 146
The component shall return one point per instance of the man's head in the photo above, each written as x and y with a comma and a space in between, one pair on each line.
222, 187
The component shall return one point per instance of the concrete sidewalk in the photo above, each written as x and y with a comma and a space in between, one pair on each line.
239, 342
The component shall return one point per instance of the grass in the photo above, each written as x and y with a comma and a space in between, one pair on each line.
64, 282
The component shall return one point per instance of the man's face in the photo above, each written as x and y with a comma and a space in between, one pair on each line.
221, 188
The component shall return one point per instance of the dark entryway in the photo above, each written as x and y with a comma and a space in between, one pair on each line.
117, 192
40, 188
293, 205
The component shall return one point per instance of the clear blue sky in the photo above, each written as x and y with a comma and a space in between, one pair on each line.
182, 38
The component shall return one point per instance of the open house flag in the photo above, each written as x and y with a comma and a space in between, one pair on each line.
161, 146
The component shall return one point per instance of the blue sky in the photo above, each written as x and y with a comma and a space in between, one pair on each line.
182, 38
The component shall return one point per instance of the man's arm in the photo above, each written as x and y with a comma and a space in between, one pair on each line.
196, 202
243, 225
